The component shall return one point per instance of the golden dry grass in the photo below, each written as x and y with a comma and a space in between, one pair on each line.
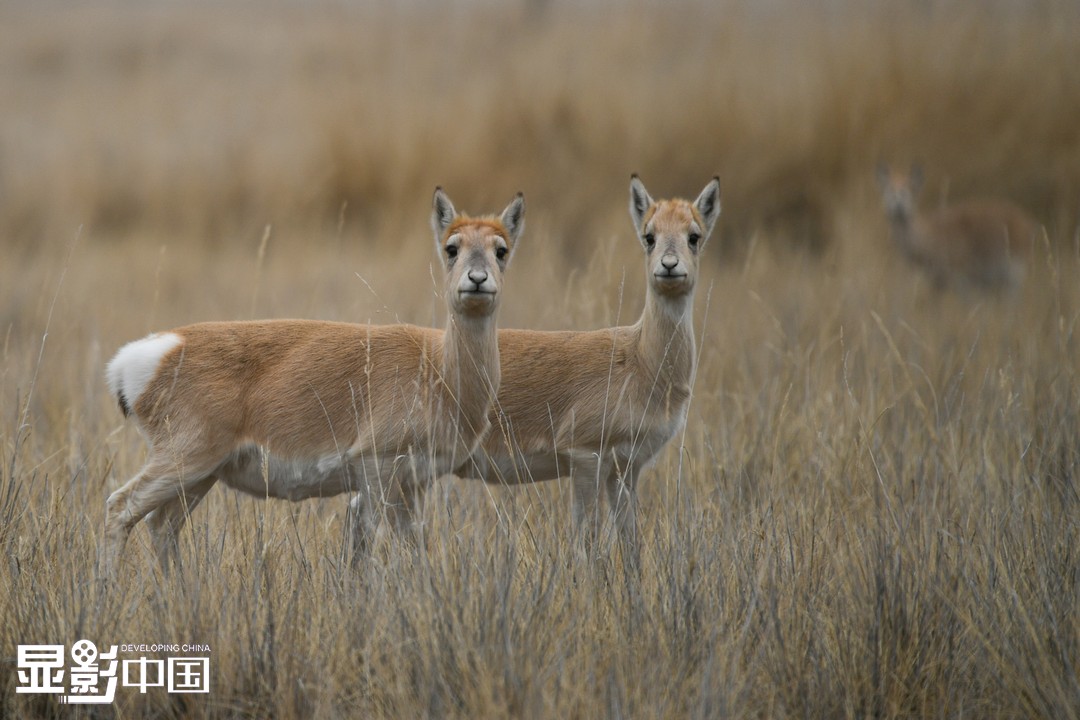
874, 509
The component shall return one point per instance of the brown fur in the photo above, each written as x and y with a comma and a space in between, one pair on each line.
301, 408
598, 406
463, 221
984, 244
305, 387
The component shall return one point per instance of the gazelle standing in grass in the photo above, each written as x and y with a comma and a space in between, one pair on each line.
598, 406
299, 409
981, 244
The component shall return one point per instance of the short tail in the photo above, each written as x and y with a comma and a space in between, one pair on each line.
135, 365
114, 376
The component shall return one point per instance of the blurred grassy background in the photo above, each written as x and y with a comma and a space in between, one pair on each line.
874, 509
218, 118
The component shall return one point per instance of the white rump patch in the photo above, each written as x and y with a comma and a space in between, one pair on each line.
136, 364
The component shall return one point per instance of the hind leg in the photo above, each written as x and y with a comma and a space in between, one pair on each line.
157, 483
167, 520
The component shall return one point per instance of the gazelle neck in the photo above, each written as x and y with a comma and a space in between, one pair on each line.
470, 373
905, 228
666, 339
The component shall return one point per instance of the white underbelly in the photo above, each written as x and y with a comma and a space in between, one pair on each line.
257, 472
538, 466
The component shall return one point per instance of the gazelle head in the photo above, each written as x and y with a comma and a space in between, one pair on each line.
899, 191
673, 233
475, 252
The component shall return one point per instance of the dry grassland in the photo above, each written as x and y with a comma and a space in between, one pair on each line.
874, 510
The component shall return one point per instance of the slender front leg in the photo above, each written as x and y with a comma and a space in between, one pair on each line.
360, 526
587, 473
622, 499
404, 510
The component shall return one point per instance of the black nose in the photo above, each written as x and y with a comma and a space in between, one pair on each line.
478, 276
669, 262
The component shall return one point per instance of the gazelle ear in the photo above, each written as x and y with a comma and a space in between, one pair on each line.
708, 205
442, 214
640, 202
513, 219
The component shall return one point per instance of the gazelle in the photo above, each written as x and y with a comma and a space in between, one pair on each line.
598, 406
982, 244
299, 409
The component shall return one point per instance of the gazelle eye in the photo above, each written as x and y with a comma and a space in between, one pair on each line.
500, 253
451, 251
650, 239
693, 239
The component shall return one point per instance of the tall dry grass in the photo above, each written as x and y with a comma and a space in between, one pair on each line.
873, 510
